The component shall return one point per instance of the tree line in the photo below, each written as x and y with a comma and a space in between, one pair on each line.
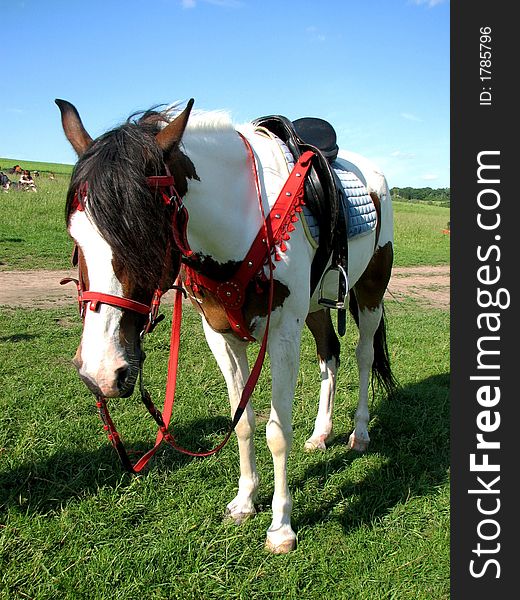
427, 194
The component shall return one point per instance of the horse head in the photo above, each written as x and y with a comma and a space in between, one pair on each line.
119, 218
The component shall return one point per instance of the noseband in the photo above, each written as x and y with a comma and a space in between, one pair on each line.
166, 185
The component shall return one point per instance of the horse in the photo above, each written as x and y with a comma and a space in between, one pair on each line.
227, 178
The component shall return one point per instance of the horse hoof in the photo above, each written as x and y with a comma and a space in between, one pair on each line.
317, 442
283, 548
313, 445
238, 518
358, 444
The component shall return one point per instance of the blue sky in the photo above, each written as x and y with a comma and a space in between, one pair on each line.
377, 69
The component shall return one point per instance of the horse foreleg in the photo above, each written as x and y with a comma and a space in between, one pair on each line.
284, 353
328, 349
231, 357
369, 319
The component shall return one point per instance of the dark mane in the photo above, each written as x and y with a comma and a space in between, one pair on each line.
129, 215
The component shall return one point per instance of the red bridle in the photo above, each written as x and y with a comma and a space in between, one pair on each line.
274, 231
172, 199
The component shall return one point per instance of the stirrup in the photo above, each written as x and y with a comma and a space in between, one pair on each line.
342, 301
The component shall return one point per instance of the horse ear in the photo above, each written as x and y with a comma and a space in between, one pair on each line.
73, 127
172, 133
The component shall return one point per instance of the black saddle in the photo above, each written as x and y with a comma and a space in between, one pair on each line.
323, 190
318, 133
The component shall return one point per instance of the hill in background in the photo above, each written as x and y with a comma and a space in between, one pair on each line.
43, 167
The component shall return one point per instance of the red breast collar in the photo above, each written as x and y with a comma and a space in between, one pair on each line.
270, 240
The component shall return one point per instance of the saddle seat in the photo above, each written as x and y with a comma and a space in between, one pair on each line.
319, 133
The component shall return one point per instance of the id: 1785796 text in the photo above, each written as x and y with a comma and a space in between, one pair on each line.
485, 66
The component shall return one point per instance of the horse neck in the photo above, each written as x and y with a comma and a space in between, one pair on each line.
223, 208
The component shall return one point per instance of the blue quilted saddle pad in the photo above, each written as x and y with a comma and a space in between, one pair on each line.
358, 207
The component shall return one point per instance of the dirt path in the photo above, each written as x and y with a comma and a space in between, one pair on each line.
428, 285
41, 289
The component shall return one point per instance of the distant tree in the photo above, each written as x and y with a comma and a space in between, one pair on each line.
426, 194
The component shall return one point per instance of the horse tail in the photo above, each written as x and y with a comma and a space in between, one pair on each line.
381, 367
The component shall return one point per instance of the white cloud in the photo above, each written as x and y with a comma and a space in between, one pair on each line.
429, 177
428, 3
401, 154
222, 3
411, 117
314, 34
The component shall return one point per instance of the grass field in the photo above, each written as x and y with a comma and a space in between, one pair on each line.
32, 232
73, 525
419, 237
31, 165
32, 226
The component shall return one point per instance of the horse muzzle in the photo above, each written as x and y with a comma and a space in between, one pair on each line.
118, 381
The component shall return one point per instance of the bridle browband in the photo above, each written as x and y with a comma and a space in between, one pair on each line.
166, 185
275, 230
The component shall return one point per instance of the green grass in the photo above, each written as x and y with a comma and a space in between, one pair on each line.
73, 525
418, 233
32, 226
32, 230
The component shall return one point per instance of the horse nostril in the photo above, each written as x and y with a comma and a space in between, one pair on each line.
122, 377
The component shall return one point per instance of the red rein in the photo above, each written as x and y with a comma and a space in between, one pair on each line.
275, 230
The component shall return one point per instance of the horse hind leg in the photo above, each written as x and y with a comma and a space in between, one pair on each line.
369, 320
366, 305
328, 349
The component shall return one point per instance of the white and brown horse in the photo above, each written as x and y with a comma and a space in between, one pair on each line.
124, 236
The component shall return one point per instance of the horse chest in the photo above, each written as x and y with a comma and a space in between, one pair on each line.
255, 304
